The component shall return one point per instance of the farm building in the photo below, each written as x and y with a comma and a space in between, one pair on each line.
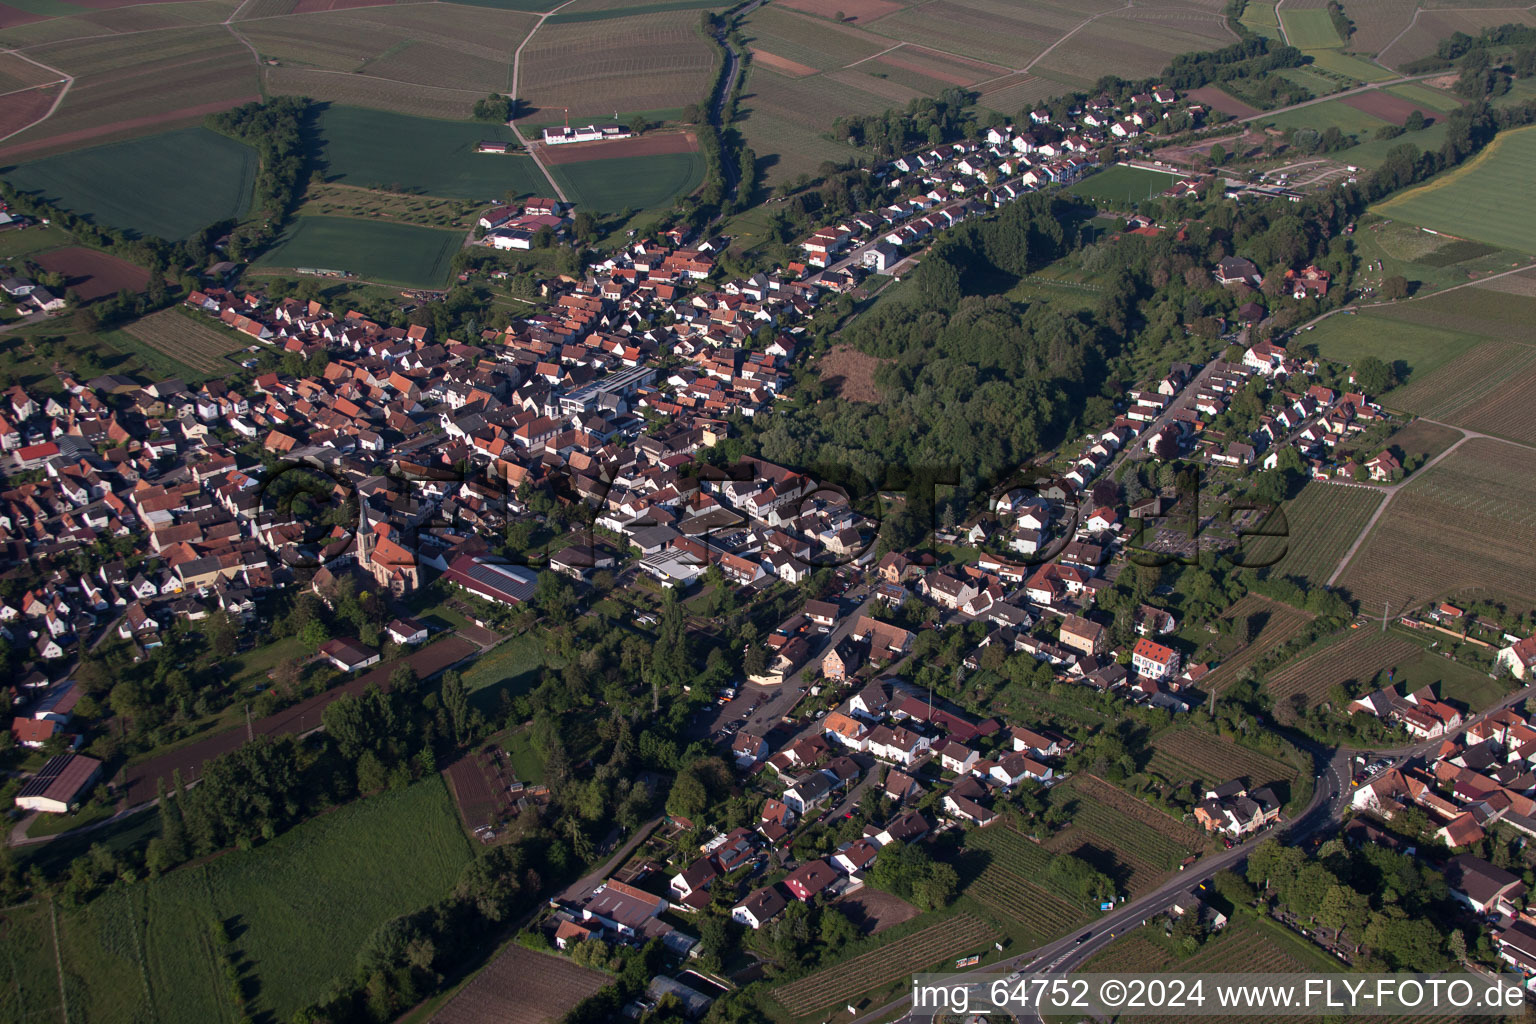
59, 784
503, 584
590, 133
349, 655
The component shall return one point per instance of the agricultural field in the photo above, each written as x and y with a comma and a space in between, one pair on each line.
1136, 43
448, 47
1480, 200
1247, 944
905, 52
304, 904
335, 200
92, 274
1434, 262
883, 965
132, 85
383, 253
813, 42
364, 91
29, 986
1276, 623
1004, 893
634, 182
1343, 64
988, 30
398, 153
1260, 19
1122, 184
1424, 96
1466, 523
1309, 28
169, 185
1373, 154
522, 986
1476, 390
1432, 25
1359, 656
1422, 440
182, 338
640, 63
1191, 754
1321, 523
1127, 823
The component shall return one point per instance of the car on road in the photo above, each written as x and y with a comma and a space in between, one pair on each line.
1083, 938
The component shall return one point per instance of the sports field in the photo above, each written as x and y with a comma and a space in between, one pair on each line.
1124, 184
392, 254
378, 149
635, 182
169, 185
1309, 29
1483, 200
301, 908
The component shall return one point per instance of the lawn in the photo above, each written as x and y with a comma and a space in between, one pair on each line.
1333, 114
1423, 95
1124, 184
299, 908
378, 149
168, 185
635, 182
1260, 19
21, 241
386, 253
53, 824
1344, 64
1483, 200
1309, 29
1415, 349
1371, 154
512, 668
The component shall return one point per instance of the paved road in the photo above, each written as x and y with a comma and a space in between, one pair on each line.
774, 702
586, 883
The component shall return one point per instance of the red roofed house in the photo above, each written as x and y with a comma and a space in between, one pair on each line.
810, 879
1153, 660
1519, 658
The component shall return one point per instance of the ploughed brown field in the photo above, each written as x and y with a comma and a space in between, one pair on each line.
853, 10
783, 65
1386, 106
644, 145
22, 108
522, 987
1213, 97
91, 274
